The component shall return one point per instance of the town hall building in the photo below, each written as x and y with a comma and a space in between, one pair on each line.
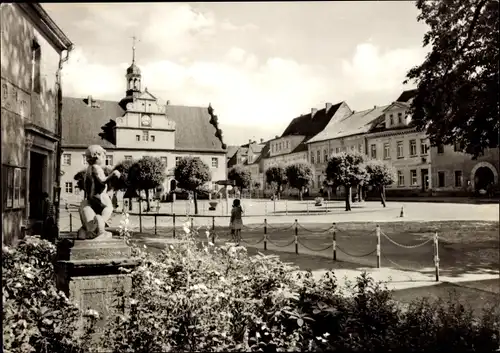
140, 126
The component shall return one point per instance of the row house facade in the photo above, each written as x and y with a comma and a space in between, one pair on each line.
292, 145
33, 51
140, 126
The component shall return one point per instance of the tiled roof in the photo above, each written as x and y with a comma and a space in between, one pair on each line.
193, 129
301, 147
307, 126
231, 151
264, 153
356, 123
82, 124
406, 95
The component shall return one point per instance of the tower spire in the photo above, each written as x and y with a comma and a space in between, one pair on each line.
133, 48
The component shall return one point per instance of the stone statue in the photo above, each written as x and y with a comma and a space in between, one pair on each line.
96, 208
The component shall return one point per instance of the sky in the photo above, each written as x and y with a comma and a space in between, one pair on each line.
259, 64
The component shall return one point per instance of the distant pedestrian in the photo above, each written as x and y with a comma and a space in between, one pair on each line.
236, 222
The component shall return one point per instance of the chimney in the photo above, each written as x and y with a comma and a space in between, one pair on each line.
89, 101
249, 141
374, 107
261, 140
313, 111
168, 102
276, 137
328, 106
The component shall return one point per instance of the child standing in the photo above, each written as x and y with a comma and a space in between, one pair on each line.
236, 222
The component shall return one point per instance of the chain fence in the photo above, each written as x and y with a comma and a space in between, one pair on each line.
366, 244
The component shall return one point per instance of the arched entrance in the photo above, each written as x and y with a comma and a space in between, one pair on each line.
482, 175
173, 184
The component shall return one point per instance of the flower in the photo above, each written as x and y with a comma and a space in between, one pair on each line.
92, 313
133, 302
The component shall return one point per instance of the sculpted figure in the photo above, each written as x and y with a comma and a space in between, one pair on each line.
96, 208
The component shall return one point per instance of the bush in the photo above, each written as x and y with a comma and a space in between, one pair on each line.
194, 297
36, 316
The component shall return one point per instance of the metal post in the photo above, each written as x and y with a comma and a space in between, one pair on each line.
173, 225
213, 230
286, 207
296, 237
140, 216
156, 220
265, 234
172, 207
307, 205
265, 207
71, 223
436, 255
334, 239
192, 224
378, 246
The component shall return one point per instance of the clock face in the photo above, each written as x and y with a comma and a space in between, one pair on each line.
146, 120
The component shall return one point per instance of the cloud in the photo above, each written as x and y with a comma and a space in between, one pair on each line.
243, 92
370, 70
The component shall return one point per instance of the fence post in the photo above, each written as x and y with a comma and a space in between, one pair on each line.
436, 255
307, 205
173, 224
378, 246
71, 222
296, 237
286, 207
213, 230
265, 207
140, 216
265, 233
192, 223
156, 220
334, 240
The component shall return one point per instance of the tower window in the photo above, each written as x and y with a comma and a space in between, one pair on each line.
137, 137
152, 138
145, 136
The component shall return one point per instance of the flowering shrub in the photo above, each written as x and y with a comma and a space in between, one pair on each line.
36, 316
199, 297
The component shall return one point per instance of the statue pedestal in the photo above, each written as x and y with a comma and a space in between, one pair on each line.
88, 272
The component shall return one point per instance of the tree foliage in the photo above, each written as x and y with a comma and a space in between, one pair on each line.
123, 183
346, 168
146, 173
191, 173
241, 177
275, 175
380, 173
457, 85
299, 175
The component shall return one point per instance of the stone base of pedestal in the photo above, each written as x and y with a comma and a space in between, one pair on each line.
89, 273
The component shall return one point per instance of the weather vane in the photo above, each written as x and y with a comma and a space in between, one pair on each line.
134, 41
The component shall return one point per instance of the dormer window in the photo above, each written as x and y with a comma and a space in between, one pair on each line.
391, 120
400, 118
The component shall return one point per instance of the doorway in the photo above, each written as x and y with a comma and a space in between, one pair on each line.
425, 179
36, 187
483, 177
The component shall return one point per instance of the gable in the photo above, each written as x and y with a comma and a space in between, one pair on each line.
396, 106
147, 96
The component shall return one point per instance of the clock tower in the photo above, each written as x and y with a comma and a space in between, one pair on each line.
133, 77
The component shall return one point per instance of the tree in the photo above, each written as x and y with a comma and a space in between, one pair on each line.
380, 175
347, 169
276, 176
145, 174
241, 177
123, 183
190, 174
456, 98
299, 175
